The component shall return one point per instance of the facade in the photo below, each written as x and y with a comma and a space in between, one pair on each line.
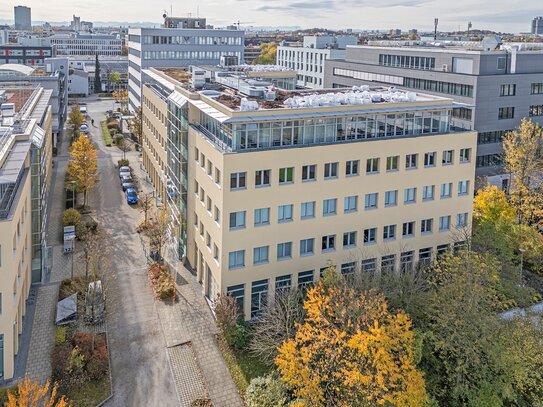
86, 44
25, 55
498, 87
82, 68
537, 25
266, 195
53, 76
308, 60
25, 163
184, 22
250, 53
176, 47
23, 18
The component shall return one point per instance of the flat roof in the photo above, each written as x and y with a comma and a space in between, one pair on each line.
18, 96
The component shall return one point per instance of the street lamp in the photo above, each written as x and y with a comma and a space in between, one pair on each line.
521, 250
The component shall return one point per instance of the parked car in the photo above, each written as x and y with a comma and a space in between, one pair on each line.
83, 110
127, 185
125, 173
131, 196
124, 168
126, 178
84, 128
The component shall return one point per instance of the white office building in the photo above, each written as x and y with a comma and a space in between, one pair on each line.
86, 44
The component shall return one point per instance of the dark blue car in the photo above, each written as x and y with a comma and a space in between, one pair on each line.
131, 196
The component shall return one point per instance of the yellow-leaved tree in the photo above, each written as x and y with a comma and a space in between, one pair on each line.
83, 165
268, 54
32, 394
351, 351
490, 205
75, 119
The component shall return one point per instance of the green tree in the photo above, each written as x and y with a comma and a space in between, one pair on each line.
113, 78
268, 54
97, 78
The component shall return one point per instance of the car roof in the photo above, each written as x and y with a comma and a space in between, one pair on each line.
131, 190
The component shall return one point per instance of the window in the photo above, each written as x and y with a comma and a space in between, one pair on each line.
237, 180
508, 90
411, 161
260, 255
465, 155
410, 195
408, 229
370, 201
236, 259
442, 249
370, 235
463, 187
350, 204
237, 220
536, 88
393, 163
305, 278
209, 168
351, 167
209, 204
208, 240
348, 268
501, 63
259, 297
307, 247
506, 113
369, 265
462, 220
216, 254
426, 225
330, 170
286, 175
307, 210
536, 110
262, 216
328, 242
391, 198
428, 192
329, 207
372, 166
202, 160
349, 239
430, 159
446, 190
284, 251
217, 215
202, 195
284, 214
217, 176
491, 136
425, 256
283, 283
309, 172
388, 263
447, 157
196, 154
262, 178
444, 223
389, 232
406, 261
237, 292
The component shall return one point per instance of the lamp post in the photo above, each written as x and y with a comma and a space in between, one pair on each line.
521, 250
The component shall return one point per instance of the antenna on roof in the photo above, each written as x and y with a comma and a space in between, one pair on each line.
197, 11
436, 22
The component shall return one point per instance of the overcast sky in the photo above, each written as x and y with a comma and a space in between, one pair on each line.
499, 15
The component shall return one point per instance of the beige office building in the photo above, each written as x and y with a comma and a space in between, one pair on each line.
25, 157
266, 193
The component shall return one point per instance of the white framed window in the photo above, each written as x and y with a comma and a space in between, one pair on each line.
260, 255
446, 190
408, 229
444, 223
262, 216
328, 243
391, 198
307, 210
309, 172
350, 204
463, 187
462, 220
284, 213
370, 201
329, 207
307, 247
236, 259
393, 163
430, 159
262, 178
447, 157
349, 240
428, 192
351, 167
369, 265
284, 251
465, 155
410, 195
411, 161
237, 220
286, 175
370, 235
330, 170
238, 180
372, 165
426, 225
389, 232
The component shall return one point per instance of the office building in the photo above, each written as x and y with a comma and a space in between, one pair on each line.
177, 47
266, 191
184, 22
499, 87
250, 53
72, 44
308, 60
25, 55
23, 18
25, 163
537, 25
53, 75
81, 80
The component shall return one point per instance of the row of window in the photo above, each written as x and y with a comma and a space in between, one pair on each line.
192, 40
263, 178
200, 55
489, 160
260, 289
405, 61
491, 136
307, 247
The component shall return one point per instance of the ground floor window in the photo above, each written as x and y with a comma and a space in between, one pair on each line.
237, 292
259, 297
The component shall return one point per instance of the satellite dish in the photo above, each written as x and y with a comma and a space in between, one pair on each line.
164, 15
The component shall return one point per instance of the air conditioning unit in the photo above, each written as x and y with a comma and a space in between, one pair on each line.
445, 68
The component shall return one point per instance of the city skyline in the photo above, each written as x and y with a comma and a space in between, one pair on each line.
403, 14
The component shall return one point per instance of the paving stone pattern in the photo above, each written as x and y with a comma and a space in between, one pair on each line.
186, 373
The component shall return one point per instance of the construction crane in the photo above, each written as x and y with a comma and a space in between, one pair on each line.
242, 22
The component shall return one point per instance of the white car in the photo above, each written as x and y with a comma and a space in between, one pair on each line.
84, 128
125, 173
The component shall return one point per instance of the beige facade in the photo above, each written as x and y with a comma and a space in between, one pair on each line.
259, 219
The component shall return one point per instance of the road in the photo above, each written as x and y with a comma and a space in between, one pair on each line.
139, 363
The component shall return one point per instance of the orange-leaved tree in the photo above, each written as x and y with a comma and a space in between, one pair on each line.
32, 394
83, 165
351, 350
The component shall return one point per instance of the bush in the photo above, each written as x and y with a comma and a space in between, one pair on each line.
59, 360
266, 391
123, 163
112, 132
112, 124
240, 335
60, 334
98, 364
162, 282
71, 217
119, 139
226, 314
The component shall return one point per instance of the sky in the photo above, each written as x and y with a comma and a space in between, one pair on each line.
499, 15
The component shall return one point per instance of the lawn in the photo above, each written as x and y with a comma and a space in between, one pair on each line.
105, 134
243, 366
89, 394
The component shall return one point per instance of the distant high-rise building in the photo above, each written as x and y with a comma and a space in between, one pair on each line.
23, 19
76, 23
537, 25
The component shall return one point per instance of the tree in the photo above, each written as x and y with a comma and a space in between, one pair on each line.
523, 152
350, 350
83, 165
146, 203
114, 77
490, 205
32, 394
266, 391
136, 124
268, 54
121, 97
75, 120
97, 77
158, 231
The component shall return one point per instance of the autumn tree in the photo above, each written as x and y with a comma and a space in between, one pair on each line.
491, 205
158, 231
146, 204
351, 350
523, 153
75, 120
136, 124
268, 54
83, 165
121, 97
32, 394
